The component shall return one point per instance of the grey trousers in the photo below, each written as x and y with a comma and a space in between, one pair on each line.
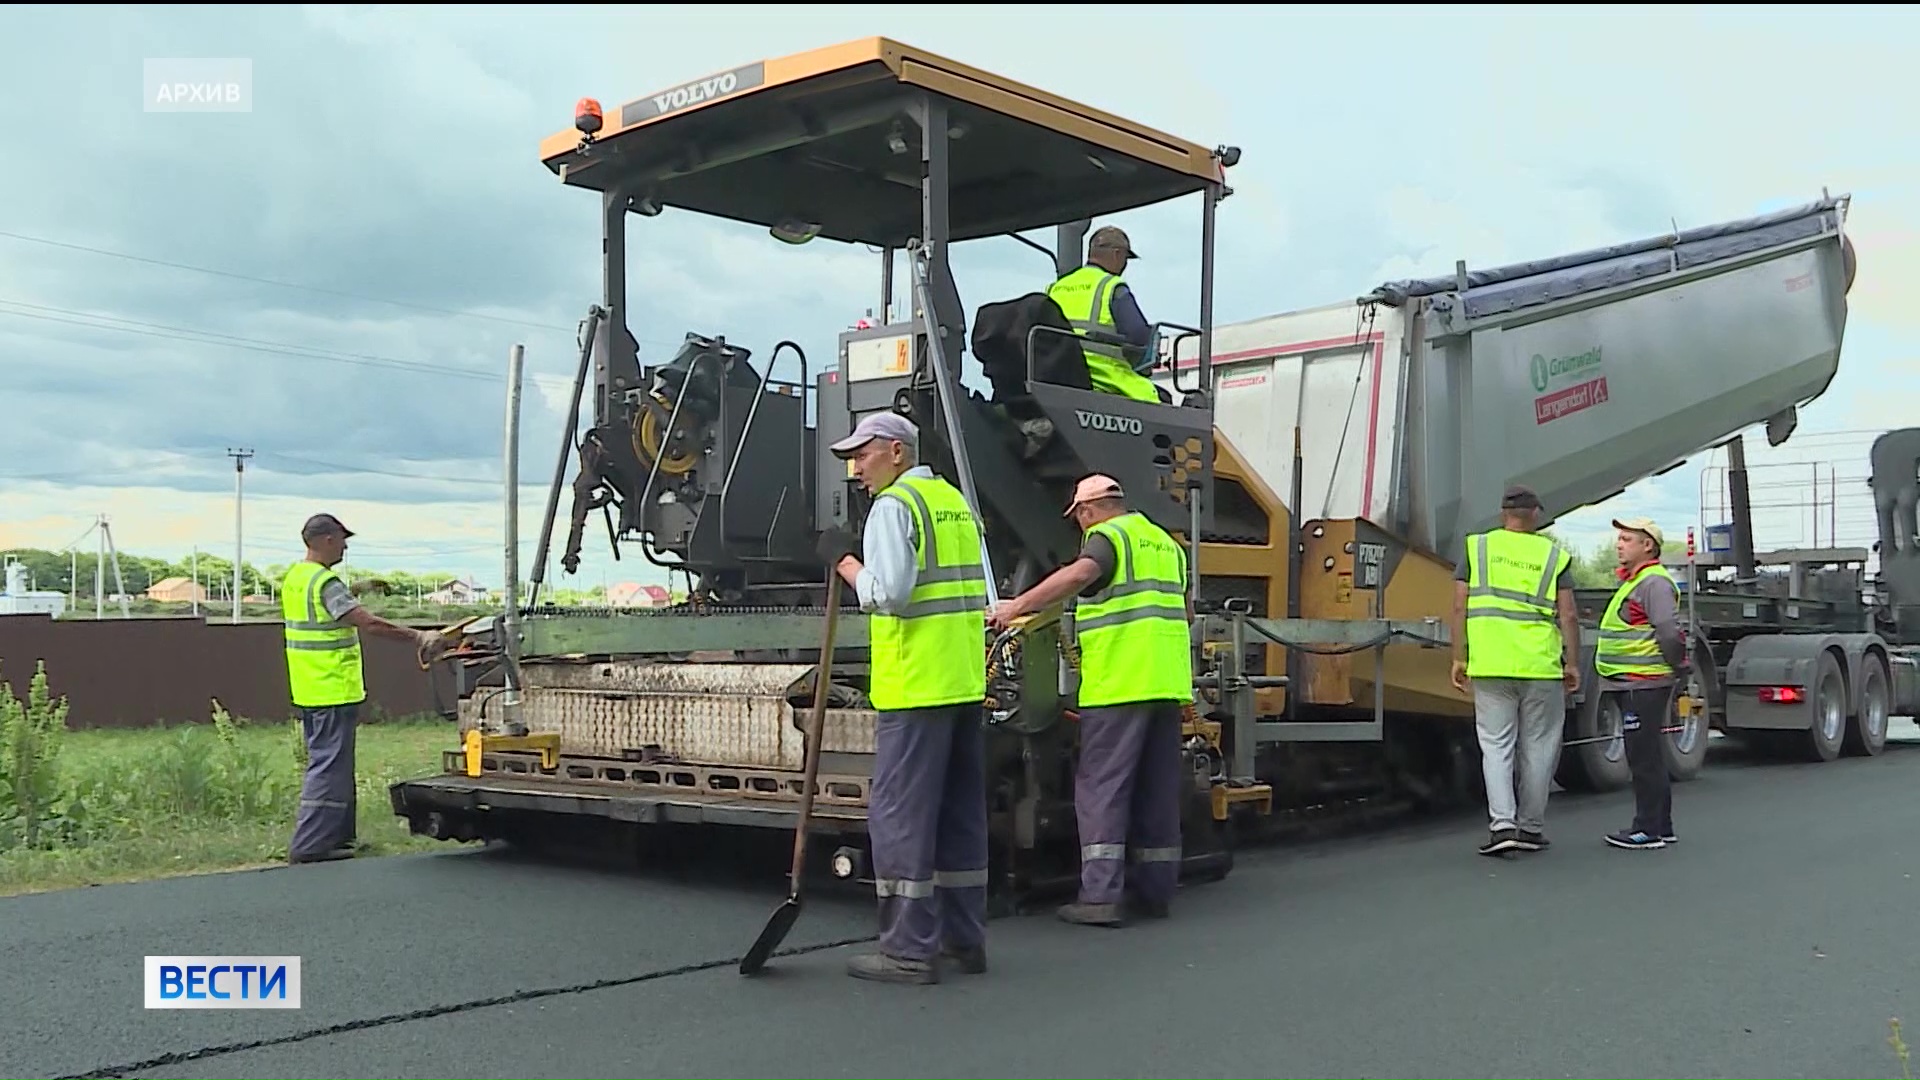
1519, 722
1126, 797
927, 823
327, 803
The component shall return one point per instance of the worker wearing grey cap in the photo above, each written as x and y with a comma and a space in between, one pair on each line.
326, 682
1514, 629
925, 591
1095, 298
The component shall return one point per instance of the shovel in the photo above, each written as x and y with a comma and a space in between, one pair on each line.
787, 913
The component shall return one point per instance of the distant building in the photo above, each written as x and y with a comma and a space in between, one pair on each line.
19, 600
457, 592
177, 590
633, 594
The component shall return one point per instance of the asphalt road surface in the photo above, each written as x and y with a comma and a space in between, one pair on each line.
1775, 940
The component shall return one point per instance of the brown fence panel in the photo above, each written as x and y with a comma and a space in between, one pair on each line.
120, 673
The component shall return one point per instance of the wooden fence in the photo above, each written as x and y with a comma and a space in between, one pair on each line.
122, 673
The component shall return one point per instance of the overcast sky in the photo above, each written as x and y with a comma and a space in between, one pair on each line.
334, 279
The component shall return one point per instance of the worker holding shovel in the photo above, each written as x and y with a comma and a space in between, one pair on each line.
924, 588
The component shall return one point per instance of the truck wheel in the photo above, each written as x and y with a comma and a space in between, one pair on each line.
1686, 749
1824, 738
1596, 766
1867, 733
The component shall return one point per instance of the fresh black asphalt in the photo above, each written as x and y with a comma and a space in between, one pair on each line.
1775, 940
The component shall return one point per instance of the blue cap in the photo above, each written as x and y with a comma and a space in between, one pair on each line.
880, 425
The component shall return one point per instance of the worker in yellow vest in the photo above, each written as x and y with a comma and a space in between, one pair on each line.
1641, 656
1514, 631
1132, 618
925, 591
326, 682
1095, 298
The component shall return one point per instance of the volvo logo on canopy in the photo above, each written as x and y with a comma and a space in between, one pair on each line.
694, 93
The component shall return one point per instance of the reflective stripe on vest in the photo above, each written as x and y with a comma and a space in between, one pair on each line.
1512, 628
1133, 635
935, 651
1625, 649
323, 653
1086, 299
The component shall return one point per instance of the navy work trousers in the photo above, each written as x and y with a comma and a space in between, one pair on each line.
327, 803
1126, 796
1643, 712
927, 823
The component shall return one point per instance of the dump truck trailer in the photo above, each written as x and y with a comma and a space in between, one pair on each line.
1323, 467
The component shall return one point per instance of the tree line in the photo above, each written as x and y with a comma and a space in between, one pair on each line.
59, 571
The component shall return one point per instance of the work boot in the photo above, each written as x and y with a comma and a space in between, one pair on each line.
1501, 841
970, 960
330, 855
879, 967
1093, 914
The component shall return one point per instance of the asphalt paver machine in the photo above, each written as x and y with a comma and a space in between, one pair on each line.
687, 714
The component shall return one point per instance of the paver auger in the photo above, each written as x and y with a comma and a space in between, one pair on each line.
1319, 658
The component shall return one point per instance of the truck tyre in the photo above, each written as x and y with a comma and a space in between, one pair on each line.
1599, 766
1686, 749
1867, 733
1826, 735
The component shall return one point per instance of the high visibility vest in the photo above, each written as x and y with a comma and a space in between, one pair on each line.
1512, 626
323, 653
1086, 299
1133, 635
1625, 649
935, 651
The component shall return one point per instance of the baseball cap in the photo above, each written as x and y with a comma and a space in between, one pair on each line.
1092, 488
879, 425
1519, 497
1112, 238
324, 525
1642, 525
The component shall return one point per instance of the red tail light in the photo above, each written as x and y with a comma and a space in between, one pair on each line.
1783, 695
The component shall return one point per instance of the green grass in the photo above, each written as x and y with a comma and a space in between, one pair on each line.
128, 805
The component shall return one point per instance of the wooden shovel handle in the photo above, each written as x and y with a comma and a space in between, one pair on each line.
816, 726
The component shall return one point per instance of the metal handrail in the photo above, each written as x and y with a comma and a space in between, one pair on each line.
726, 483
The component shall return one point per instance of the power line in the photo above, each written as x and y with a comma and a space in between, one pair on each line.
573, 330
279, 284
369, 471
207, 337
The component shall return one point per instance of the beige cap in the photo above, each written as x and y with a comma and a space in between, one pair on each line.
1093, 488
1642, 525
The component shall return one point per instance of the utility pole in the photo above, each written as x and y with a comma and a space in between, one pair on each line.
195, 591
239, 492
119, 579
100, 567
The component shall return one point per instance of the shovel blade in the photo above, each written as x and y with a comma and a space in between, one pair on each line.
770, 938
